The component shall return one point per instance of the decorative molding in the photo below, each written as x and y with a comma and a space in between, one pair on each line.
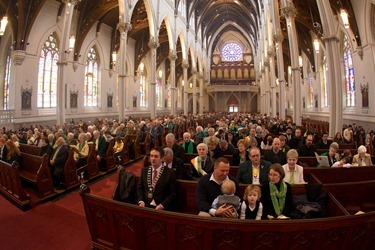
360, 52
289, 11
18, 56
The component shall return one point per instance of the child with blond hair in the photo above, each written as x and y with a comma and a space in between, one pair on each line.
228, 198
251, 207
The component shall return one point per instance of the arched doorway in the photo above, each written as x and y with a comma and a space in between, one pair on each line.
232, 103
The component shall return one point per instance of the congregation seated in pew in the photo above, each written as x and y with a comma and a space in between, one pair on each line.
202, 164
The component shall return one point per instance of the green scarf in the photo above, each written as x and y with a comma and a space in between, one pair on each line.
190, 147
278, 197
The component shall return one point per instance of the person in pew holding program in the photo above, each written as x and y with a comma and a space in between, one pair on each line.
157, 184
209, 187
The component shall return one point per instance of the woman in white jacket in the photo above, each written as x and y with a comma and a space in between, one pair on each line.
293, 172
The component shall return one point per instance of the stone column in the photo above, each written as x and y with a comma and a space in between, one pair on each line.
63, 62
278, 40
194, 91
124, 28
289, 12
153, 44
271, 57
335, 86
267, 85
185, 66
201, 81
173, 58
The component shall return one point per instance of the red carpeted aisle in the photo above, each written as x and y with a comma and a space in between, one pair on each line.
54, 225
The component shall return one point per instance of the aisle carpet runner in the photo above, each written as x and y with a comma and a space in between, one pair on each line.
59, 224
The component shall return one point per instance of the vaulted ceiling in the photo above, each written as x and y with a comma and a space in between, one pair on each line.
215, 17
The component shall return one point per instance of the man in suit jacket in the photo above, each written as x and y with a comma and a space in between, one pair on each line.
178, 151
57, 162
101, 149
157, 185
255, 170
362, 158
174, 163
202, 164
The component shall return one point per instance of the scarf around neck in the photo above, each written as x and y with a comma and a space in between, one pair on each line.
278, 197
190, 147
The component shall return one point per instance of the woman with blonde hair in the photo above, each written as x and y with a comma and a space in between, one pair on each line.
293, 172
242, 154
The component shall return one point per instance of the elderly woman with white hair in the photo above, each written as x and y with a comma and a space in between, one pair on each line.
188, 145
362, 158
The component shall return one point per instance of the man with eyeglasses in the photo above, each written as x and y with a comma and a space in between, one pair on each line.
255, 170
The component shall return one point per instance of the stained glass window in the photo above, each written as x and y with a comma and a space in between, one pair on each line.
7, 81
47, 73
231, 52
91, 79
325, 83
142, 92
158, 93
349, 74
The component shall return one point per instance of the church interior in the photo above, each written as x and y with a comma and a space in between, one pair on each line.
69, 65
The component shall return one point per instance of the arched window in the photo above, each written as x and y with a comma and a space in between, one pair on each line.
47, 73
324, 82
142, 91
158, 93
349, 74
231, 52
7, 81
179, 96
91, 79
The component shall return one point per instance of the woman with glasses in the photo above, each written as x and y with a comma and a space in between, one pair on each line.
276, 197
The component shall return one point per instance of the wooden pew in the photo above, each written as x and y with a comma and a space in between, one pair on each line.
353, 151
341, 175
125, 158
354, 196
110, 156
70, 171
34, 169
92, 162
307, 161
116, 225
134, 141
10, 185
30, 149
145, 144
